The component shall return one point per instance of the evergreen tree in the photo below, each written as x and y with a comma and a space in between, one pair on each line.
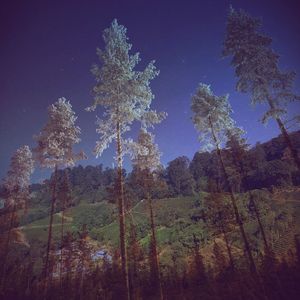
180, 177
237, 147
200, 167
257, 70
64, 197
125, 95
16, 184
54, 150
257, 157
146, 158
212, 119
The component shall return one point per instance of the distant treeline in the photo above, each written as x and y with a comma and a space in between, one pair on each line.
267, 165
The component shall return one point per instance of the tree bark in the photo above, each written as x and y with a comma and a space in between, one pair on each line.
252, 201
6, 247
234, 205
232, 267
152, 224
53, 200
120, 186
258, 218
61, 242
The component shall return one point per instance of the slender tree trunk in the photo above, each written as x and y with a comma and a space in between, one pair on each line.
132, 263
257, 214
234, 205
258, 218
239, 221
69, 260
267, 249
232, 267
61, 243
65, 202
223, 231
242, 230
152, 224
81, 283
286, 136
252, 201
6, 247
121, 205
49, 242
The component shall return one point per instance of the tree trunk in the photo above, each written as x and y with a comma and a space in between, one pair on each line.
232, 267
121, 205
252, 201
153, 233
53, 200
234, 205
65, 203
6, 247
285, 135
223, 231
258, 218
61, 245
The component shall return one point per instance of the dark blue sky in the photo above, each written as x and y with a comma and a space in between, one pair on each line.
48, 47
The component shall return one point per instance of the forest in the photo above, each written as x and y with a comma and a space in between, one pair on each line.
221, 225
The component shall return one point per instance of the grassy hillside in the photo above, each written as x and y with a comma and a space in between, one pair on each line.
177, 220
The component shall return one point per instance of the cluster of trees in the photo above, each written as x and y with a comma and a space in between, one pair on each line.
125, 96
267, 167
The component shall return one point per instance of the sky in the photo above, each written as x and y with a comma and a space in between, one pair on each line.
48, 47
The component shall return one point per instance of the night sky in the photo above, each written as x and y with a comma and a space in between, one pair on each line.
48, 47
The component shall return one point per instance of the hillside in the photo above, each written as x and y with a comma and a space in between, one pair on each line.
196, 231
268, 167
177, 220
181, 211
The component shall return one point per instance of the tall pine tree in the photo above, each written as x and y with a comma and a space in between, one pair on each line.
146, 158
211, 117
125, 96
55, 150
256, 67
16, 184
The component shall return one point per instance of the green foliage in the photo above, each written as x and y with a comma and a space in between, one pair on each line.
179, 177
177, 221
93, 216
34, 214
265, 166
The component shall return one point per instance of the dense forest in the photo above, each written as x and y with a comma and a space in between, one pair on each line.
268, 168
221, 225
